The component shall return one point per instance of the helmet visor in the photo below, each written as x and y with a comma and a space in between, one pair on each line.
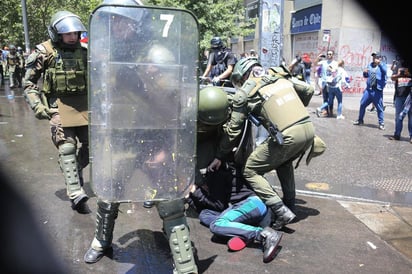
69, 24
237, 81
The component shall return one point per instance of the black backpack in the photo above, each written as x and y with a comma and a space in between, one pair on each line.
220, 59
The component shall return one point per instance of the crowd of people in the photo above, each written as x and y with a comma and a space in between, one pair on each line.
12, 65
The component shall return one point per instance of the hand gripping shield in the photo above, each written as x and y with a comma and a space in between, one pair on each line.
142, 101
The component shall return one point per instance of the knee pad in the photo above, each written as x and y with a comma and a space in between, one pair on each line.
105, 220
177, 231
69, 167
181, 247
67, 149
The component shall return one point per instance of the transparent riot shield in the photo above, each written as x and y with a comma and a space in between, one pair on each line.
142, 101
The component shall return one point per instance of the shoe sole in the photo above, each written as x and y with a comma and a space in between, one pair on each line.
236, 244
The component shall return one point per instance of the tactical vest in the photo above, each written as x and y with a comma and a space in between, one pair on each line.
304, 90
66, 74
12, 60
281, 105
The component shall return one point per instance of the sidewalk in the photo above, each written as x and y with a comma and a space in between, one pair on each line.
329, 236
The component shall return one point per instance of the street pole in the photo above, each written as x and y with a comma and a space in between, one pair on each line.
270, 32
26, 28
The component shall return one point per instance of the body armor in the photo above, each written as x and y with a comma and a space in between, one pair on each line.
277, 97
66, 74
281, 98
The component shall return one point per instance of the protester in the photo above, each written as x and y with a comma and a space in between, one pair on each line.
337, 80
324, 74
376, 77
297, 68
403, 83
220, 63
308, 67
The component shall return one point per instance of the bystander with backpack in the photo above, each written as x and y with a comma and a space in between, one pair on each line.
307, 62
220, 63
297, 68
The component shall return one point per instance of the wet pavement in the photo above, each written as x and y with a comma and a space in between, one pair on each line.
354, 208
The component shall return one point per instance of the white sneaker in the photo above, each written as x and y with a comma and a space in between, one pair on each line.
340, 117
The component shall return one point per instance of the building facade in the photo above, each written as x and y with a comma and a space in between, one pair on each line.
313, 27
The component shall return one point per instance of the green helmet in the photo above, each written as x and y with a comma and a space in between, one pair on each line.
213, 106
241, 68
64, 22
159, 54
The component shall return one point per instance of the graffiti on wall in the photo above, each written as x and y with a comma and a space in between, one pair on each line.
271, 33
355, 62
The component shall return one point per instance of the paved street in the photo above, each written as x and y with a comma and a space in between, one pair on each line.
354, 204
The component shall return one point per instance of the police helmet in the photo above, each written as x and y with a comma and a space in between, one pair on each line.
216, 42
124, 2
241, 68
12, 47
135, 18
64, 22
159, 54
213, 106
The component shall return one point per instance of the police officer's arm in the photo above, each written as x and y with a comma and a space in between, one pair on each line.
232, 129
32, 92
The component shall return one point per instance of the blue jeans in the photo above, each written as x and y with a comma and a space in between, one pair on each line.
375, 97
399, 101
335, 92
242, 219
328, 104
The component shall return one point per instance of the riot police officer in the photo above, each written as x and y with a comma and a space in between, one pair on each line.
13, 64
141, 78
21, 68
291, 134
62, 98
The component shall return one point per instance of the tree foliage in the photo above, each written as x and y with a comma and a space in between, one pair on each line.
38, 18
216, 18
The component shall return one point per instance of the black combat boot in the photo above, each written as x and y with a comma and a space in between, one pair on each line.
290, 203
79, 204
102, 242
93, 256
282, 215
270, 240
